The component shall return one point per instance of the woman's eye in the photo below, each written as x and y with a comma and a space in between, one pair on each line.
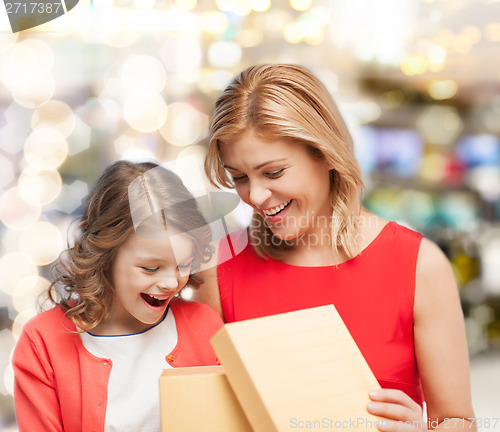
241, 178
150, 269
275, 174
184, 266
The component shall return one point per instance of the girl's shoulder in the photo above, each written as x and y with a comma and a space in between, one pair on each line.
50, 322
189, 307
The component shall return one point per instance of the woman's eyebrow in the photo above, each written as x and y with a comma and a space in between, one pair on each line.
258, 166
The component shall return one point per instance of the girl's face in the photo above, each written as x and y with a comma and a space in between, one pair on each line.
146, 274
288, 187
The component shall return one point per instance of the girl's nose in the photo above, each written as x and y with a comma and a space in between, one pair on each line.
167, 281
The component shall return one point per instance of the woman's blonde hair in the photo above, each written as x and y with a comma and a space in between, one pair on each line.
279, 101
83, 270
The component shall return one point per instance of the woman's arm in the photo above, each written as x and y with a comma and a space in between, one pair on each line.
441, 351
440, 342
35, 397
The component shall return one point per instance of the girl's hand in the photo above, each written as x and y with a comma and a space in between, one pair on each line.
403, 414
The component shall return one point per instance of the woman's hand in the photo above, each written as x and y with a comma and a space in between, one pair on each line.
402, 412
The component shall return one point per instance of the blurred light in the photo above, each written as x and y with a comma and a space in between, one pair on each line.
414, 65
477, 340
439, 125
138, 155
260, 5
214, 22
185, 5
15, 212
443, 89
142, 74
54, 113
191, 172
79, 140
45, 148
224, 54
8, 379
19, 65
42, 242
239, 7
145, 112
292, 33
433, 167
27, 293
462, 44
472, 33
144, 4
196, 151
45, 56
249, 38
14, 267
301, 5
184, 125
123, 144
393, 98
492, 32
490, 257
174, 53
486, 180
6, 172
216, 80
480, 149
20, 320
18, 122
71, 196
39, 186
35, 92
102, 4
437, 54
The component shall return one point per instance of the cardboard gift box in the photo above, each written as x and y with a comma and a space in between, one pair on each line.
298, 370
199, 399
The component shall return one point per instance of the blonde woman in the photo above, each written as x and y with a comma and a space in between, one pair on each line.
277, 137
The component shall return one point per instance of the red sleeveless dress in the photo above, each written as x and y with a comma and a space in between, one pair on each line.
373, 293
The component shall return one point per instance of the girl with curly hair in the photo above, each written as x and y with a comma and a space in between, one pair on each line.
92, 363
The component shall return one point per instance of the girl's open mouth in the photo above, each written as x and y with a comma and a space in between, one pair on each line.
153, 300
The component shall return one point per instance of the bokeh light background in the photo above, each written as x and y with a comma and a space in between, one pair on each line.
417, 80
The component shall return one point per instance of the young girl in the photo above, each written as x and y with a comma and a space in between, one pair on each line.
93, 362
277, 137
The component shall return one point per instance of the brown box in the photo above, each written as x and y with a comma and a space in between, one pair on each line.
298, 370
199, 399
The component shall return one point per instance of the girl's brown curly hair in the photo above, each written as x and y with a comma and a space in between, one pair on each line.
83, 271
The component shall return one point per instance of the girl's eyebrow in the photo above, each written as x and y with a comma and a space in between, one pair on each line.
258, 166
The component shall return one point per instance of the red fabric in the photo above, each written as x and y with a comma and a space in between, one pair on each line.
373, 293
60, 386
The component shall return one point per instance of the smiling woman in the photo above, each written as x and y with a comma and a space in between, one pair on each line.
119, 322
277, 137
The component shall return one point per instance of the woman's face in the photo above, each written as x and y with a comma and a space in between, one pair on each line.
287, 186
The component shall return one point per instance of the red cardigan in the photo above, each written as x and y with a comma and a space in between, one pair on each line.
60, 386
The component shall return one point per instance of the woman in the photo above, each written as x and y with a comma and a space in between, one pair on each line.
289, 155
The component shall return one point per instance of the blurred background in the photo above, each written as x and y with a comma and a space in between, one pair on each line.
418, 82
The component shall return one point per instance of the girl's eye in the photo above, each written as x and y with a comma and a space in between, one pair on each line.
275, 174
149, 269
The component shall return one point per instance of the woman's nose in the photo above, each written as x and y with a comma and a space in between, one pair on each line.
259, 194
